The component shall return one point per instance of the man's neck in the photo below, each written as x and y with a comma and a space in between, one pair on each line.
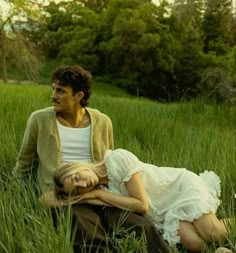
77, 119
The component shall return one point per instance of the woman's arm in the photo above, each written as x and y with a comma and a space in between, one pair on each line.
136, 201
50, 200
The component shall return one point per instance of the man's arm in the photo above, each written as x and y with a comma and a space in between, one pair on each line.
110, 134
28, 152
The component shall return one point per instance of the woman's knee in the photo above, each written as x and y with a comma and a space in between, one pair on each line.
193, 245
192, 242
210, 228
214, 235
189, 237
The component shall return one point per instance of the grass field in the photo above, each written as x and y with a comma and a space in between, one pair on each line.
192, 135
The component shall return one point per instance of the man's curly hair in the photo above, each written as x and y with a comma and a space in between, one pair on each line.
75, 76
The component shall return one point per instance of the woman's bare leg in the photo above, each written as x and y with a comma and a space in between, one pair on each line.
189, 237
210, 228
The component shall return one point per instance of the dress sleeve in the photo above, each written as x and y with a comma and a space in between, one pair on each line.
123, 163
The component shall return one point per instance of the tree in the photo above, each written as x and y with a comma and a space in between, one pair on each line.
188, 10
217, 26
95, 5
12, 22
136, 47
71, 33
186, 18
3, 52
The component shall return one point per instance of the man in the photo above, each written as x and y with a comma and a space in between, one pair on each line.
68, 132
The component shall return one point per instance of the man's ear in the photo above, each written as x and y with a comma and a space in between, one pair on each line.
79, 95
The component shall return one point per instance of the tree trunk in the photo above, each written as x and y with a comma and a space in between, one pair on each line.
3, 56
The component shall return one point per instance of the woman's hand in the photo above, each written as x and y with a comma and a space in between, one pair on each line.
92, 197
93, 194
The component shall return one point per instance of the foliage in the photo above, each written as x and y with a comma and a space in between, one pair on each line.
95, 5
217, 26
218, 81
12, 25
164, 51
138, 46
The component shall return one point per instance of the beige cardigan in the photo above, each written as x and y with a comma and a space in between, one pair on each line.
41, 148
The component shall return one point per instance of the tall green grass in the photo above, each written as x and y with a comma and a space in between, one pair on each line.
191, 135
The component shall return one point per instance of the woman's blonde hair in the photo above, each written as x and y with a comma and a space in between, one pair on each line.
70, 169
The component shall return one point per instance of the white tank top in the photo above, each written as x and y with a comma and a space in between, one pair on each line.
75, 144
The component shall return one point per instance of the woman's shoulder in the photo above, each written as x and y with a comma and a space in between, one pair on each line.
119, 151
122, 163
122, 156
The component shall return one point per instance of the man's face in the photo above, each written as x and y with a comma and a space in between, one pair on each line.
62, 98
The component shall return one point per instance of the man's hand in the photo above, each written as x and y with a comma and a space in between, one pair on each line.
50, 199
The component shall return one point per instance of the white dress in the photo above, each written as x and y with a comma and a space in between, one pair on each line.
174, 194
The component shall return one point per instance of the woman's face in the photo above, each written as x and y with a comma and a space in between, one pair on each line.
80, 182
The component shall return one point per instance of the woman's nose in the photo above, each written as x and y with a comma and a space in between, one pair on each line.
82, 184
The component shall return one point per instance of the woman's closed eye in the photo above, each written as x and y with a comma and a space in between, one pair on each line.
78, 182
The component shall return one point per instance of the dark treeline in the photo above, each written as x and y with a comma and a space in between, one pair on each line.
169, 52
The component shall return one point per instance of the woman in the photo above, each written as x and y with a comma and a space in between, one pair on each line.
181, 204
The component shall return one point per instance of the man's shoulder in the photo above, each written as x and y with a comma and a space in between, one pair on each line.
96, 113
43, 113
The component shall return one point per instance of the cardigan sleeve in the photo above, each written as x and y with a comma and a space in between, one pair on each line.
27, 156
110, 133
101, 134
